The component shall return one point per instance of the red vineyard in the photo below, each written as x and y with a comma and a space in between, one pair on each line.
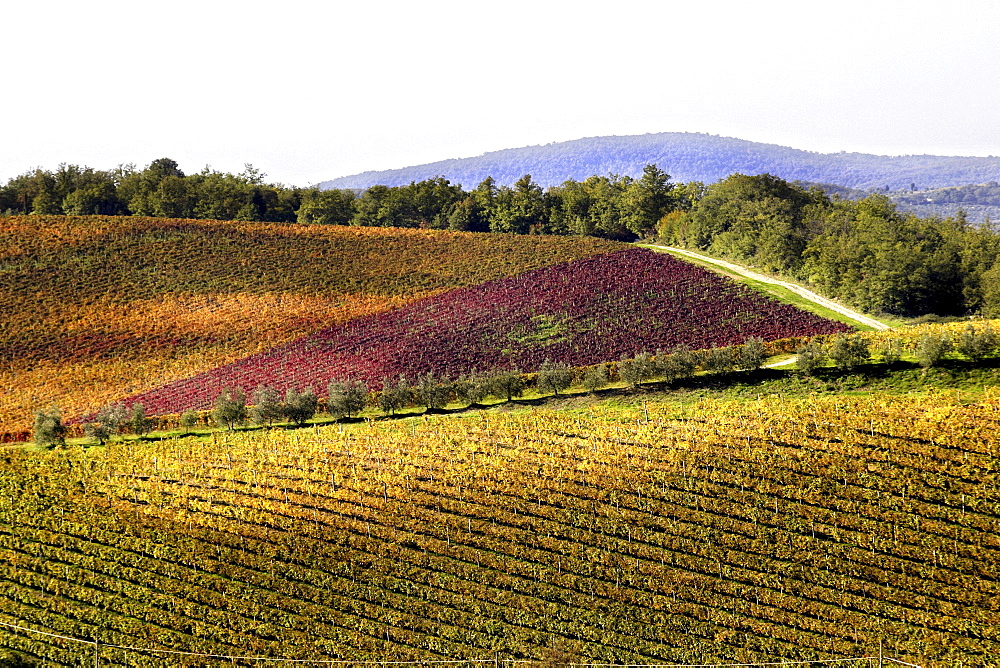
598, 309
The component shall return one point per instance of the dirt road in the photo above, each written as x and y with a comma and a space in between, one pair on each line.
797, 289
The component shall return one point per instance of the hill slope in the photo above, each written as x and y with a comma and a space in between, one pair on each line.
95, 308
597, 309
780, 528
689, 157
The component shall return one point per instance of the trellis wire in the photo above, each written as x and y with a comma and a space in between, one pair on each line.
96, 644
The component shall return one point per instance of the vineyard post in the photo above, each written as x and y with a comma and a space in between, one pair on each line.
97, 652
879, 653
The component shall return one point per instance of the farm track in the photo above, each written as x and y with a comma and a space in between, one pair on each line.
805, 293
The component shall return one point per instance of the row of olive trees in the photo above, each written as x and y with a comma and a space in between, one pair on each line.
849, 351
682, 362
347, 398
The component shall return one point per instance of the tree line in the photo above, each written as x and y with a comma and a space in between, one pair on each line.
609, 206
347, 398
864, 252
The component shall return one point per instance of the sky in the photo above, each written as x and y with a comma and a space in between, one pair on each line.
309, 91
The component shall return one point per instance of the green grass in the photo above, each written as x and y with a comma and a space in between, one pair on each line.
778, 292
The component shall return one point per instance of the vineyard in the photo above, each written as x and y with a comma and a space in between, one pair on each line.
602, 308
96, 308
722, 531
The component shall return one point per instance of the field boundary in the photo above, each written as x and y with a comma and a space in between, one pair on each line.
809, 295
873, 661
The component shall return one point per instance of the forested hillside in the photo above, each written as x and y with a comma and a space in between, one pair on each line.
689, 157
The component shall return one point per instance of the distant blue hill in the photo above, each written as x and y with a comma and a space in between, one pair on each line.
689, 157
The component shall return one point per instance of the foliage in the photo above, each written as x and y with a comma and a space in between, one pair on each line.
300, 407
810, 357
266, 406
976, 343
346, 398
848, 351
139, 423
778, 529
139, 302
49, 430
433, 392
595, 377
108, 422
931, 349
636, 370
505, 384
606, 305
230, 409
751, 355
188, 420
553, 377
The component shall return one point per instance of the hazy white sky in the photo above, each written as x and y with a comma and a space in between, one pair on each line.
307, 91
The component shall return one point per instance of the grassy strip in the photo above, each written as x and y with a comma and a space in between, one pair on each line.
904, 377
778, 292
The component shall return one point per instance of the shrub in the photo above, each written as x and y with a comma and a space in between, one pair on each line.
889, 351
931, 349
230, 409
751, 355
553, 377
976, 343
680, 363
719, 360
811, 357
848, 351
595, 377
49, 429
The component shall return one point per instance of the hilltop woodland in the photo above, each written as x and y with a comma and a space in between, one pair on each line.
866, 253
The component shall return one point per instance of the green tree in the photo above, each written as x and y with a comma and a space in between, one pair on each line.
346, 398
751, 355
49, 430
108, 422
932, 348
473, 387
889, 351
849, 351
230, 409
637, 370
595, 377
266, 406
139, 423
647, 200
977, 343
433, 392
680, 363
326, 207
520, 209
810, 357
300, 407
506, 384
188, 421
719, 360
554, 377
